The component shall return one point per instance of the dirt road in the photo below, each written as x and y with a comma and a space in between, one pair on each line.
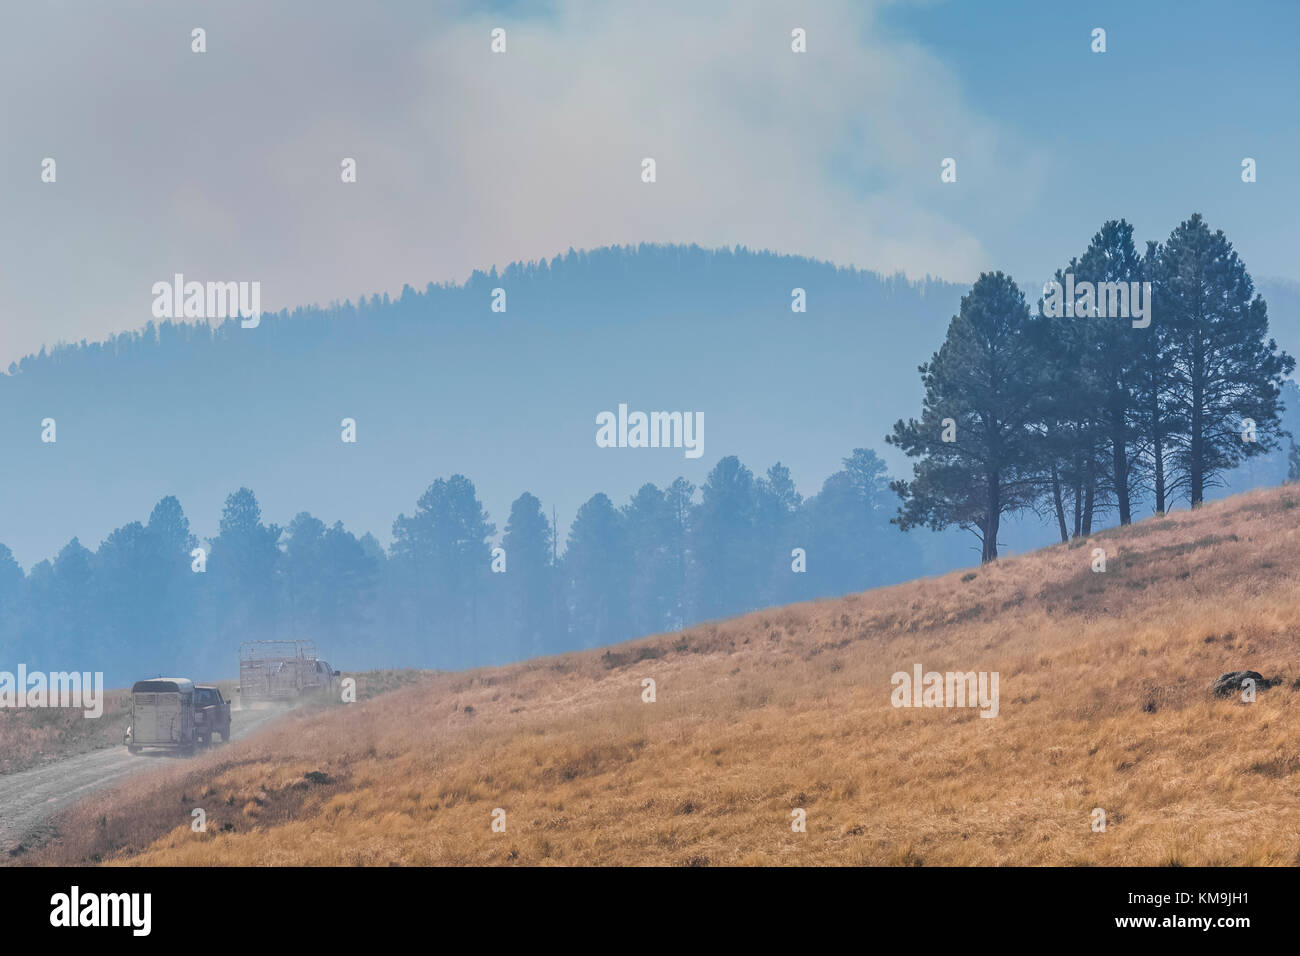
29, 798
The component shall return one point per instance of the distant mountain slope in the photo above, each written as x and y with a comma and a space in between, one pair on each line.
438, 383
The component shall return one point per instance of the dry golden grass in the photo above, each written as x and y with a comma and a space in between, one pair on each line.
1104, 703
29, 737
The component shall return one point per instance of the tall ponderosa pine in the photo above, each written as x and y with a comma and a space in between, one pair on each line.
1226, 371
442, 554
846, 521
242, 563
327, 579
597, 568
986, 378
725, 540
1071, 436
649, 521
777, 528
1158, 418
1114, 353
680, 498
530, 611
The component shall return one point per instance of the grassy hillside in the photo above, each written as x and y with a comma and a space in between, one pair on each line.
1104, 703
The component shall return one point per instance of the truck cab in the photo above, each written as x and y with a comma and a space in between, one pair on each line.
211, 713
326, 677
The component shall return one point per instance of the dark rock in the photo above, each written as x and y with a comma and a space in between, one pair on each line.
1230, 683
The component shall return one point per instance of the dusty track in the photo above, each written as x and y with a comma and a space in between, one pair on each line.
30, 797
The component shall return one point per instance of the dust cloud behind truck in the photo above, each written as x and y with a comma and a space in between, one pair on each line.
281, 671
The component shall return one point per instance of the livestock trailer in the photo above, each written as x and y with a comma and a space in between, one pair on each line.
162, 715
279, 671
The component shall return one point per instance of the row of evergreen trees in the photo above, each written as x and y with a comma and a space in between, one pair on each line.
1078, 417
1072, 418
665, 559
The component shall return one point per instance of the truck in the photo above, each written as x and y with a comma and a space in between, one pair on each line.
162, 715
211, 713
280, 671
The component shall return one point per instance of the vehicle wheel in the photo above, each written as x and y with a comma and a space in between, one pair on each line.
132, 750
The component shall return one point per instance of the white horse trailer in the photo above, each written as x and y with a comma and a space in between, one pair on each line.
162, 715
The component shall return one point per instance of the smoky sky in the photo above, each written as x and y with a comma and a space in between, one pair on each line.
226, 165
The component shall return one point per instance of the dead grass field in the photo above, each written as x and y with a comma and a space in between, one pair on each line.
1104, 703
30, 737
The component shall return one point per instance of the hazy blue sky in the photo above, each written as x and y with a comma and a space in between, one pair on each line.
225, 165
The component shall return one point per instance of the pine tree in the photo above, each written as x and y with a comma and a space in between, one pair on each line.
680, 498
776, 535
648, 522
530, 578
597, 570
1227, 373
1158, 417
1068, 418
986, 379
242, 563
1114, 352
725, 540
443, 555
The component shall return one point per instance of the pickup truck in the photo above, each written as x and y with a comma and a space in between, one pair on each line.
282, 671
211, 713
